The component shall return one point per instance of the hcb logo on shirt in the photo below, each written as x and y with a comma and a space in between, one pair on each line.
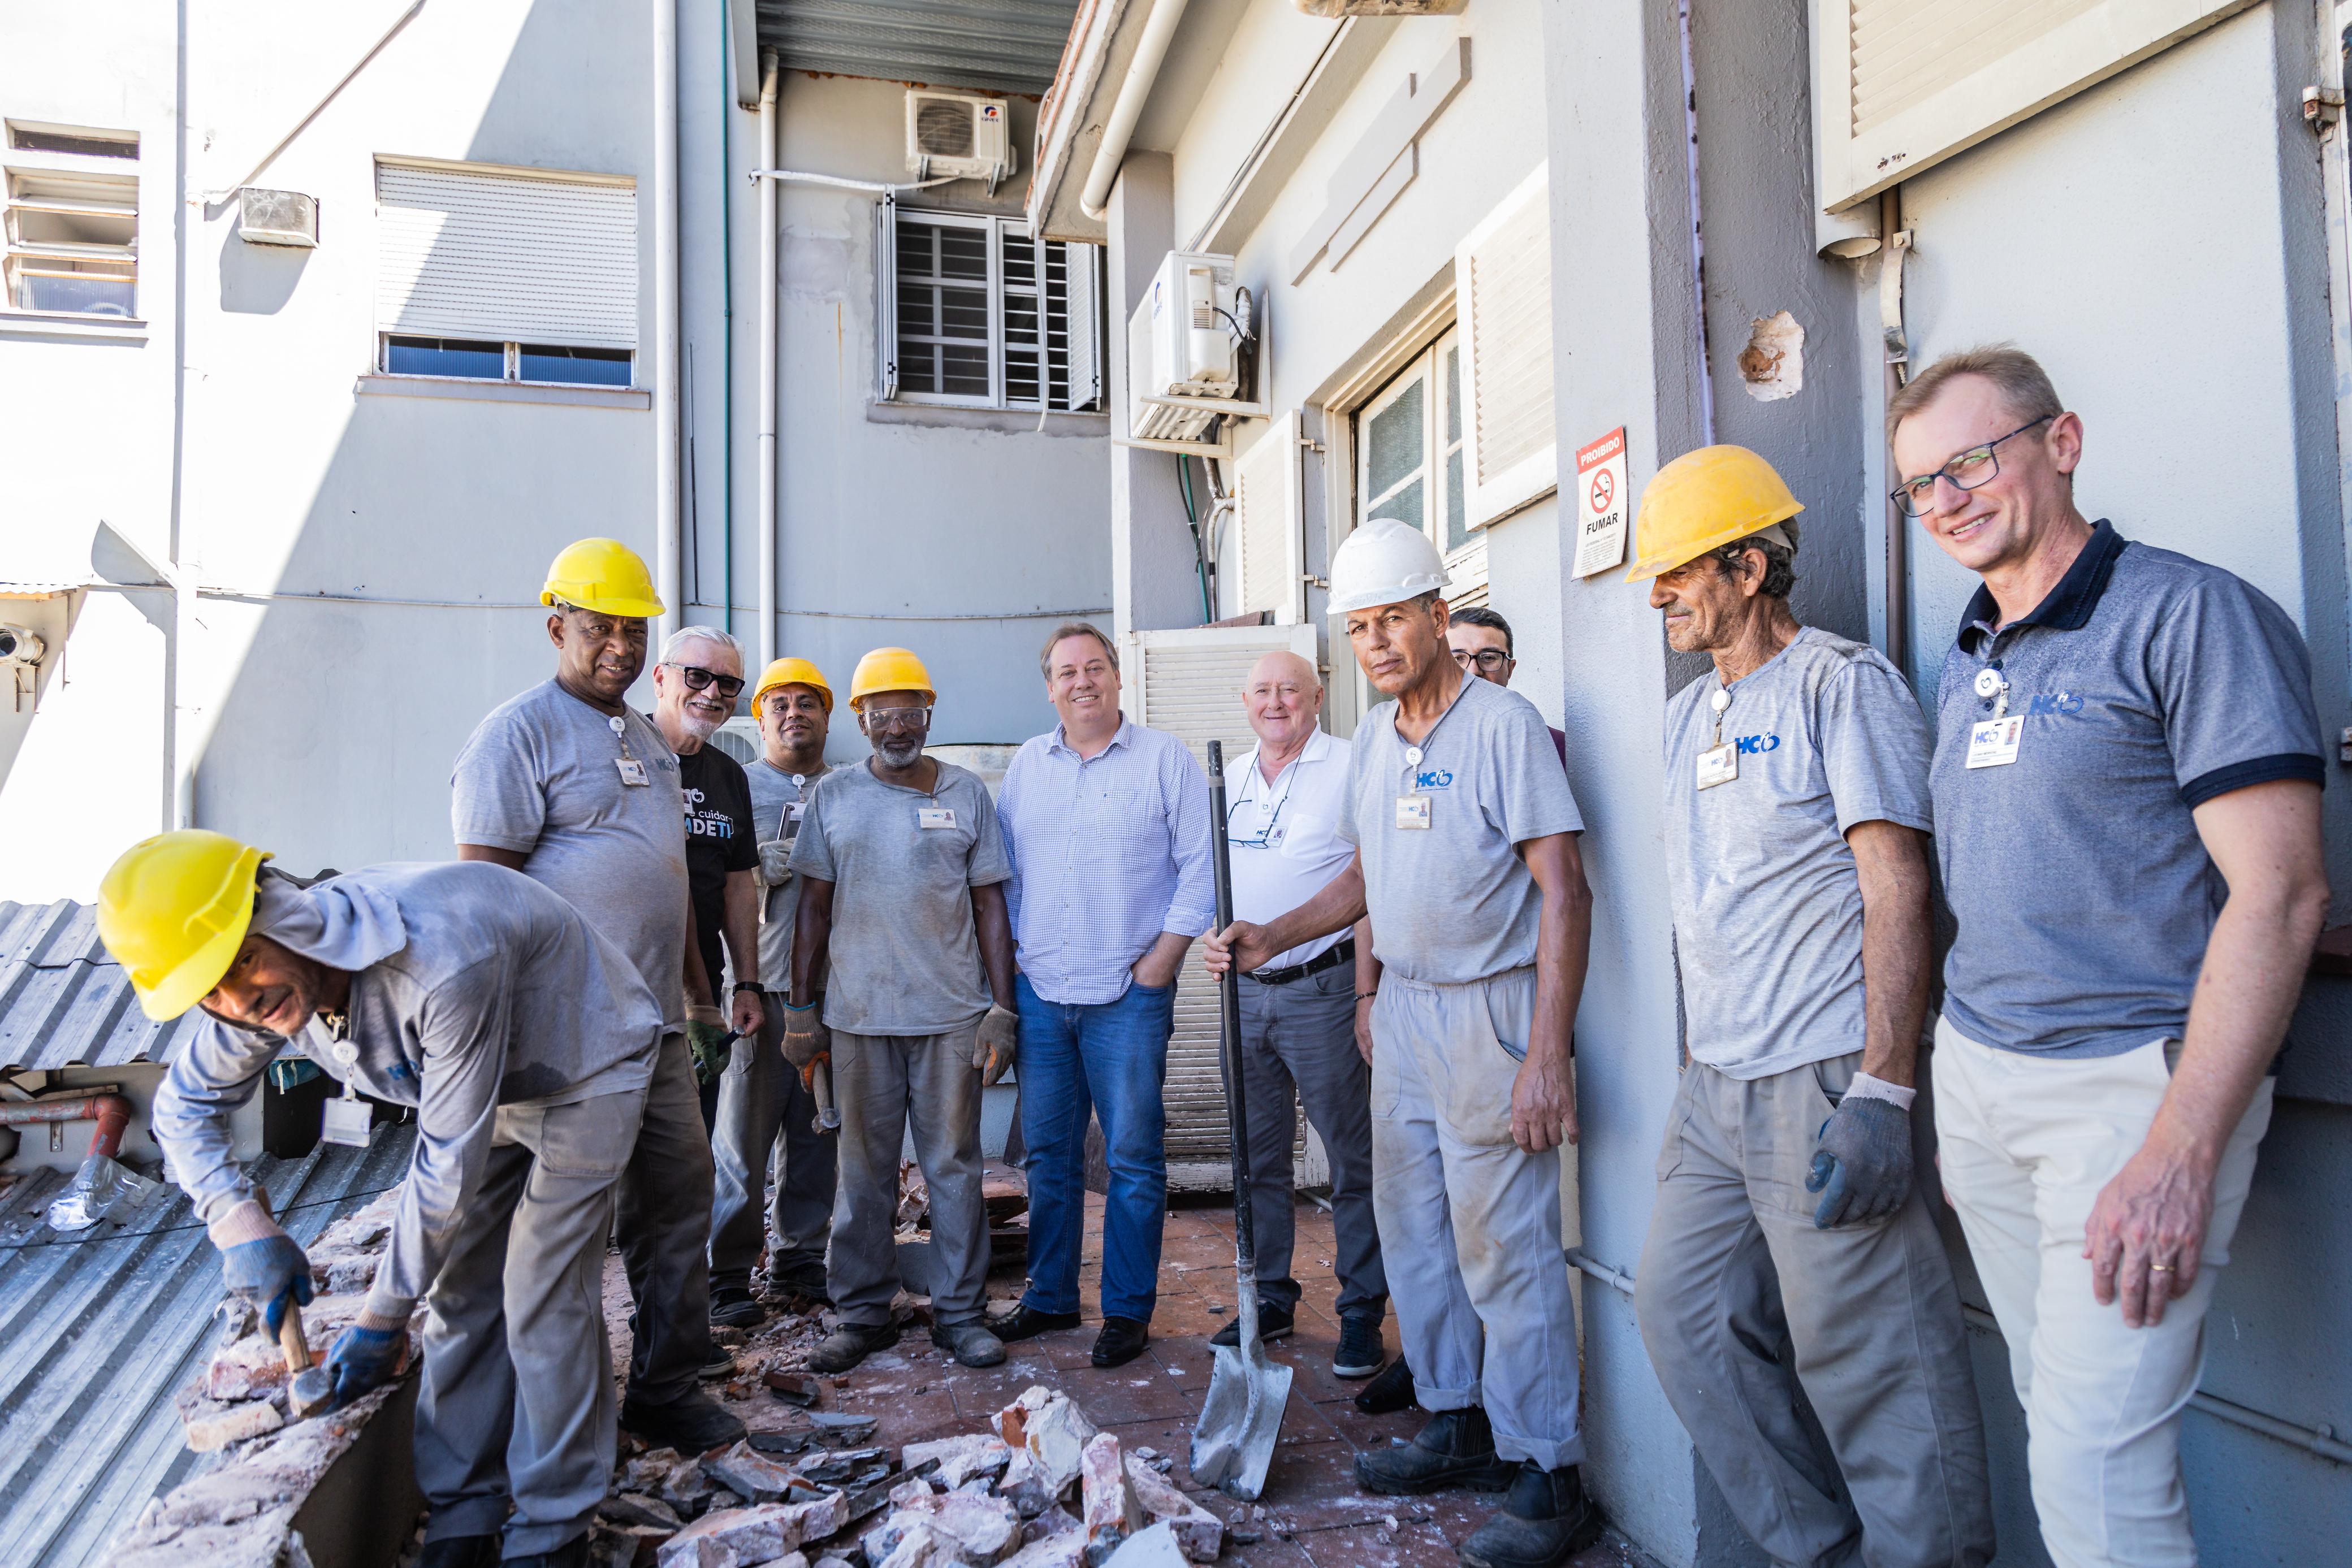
2054, 703
1435, 779
1758, 745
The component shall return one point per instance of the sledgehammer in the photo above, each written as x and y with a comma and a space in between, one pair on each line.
309, 1388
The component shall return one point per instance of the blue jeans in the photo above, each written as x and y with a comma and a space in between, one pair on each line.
1111, 1058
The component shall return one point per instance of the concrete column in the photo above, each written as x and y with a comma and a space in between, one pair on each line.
1154, 580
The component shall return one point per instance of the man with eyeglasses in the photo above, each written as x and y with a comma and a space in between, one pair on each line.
2126, 794
696, 682
1481, 640
571, 786
902, 871
1298, 1042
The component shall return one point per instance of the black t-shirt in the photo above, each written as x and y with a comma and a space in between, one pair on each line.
720, 838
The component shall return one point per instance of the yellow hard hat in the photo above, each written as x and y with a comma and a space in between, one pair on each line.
603, 575
792, 673
173, 910
1703, 500
888, 670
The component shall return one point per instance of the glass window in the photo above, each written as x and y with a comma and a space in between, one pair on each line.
1409, 460
73, 242
985, 313
83, 143
578, 367
445, 356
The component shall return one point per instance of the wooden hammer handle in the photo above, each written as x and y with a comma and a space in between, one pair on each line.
290, 1340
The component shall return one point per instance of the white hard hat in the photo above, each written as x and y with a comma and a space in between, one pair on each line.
1384, 562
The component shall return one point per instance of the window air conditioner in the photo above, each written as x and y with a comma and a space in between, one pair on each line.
1194, 335
958, 136
277, 217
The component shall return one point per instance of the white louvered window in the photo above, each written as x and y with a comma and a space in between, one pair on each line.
1502, 290
974, 313
1270, 525
72, 226
500, 275
1900, 85
1412, 457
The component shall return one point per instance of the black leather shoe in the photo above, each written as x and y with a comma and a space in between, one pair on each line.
802, 1274
850, 1343
734, 1306
460, 1552
1273, 1323
1546, 1520
1456, 1449
692, 1424
572, 1553
1120, 1342
1391, 1391
1027, 1323
1360, 1353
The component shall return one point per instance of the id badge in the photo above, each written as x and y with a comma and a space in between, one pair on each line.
1717, 765
1993, 742
934, 816
1412, 812
346, 1121
793, 812
633, 772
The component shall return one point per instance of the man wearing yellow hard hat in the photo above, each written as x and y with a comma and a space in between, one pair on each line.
902, 867
574, 788
523, 1040
764, 1107
1796, 823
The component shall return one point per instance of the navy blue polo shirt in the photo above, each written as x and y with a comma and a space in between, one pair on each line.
2149, 683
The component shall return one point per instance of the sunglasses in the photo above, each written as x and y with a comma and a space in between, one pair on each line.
699, 679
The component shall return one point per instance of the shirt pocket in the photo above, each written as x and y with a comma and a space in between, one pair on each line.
1306, 836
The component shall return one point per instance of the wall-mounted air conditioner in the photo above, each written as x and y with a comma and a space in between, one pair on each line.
1191, 347
277, 217
958, 135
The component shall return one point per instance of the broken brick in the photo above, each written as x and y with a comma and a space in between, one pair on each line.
961, 1459
220, 1425
1198, 1532
751, 1535
1107, 1508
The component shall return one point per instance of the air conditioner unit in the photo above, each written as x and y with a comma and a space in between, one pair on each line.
1192, 347
277, 217
958, 136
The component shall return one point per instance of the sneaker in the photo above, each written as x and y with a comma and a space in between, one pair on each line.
1120, 1342
1545, 1521
1361, 1353
692, 1423
720, 1364
1456, 1449
850, 1343
1273, 1323
970, 1343
802, 1274
1391, 1391
735, 1307
1027, 1321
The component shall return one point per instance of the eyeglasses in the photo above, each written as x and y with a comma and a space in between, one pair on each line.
1966, 470
1488, 659
898, 718
699, 679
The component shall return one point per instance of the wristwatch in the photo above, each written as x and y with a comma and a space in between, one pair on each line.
742, 986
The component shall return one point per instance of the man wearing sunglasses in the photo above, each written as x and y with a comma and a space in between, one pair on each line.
1481, 640
2127, 799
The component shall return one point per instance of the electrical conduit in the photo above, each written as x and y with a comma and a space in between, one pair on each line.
111, 1112
768, 369
670, 555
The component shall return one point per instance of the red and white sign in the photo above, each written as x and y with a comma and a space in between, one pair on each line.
1601, 503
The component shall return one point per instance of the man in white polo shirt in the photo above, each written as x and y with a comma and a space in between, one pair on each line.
1298, 1010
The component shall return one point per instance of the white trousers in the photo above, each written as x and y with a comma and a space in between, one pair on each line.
2027, 1143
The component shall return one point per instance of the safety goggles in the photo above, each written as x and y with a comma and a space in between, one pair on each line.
903, 720
698, 679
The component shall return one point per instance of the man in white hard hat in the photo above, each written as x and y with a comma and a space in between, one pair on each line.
1466, 835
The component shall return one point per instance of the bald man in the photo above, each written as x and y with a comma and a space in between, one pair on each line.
1298, 1012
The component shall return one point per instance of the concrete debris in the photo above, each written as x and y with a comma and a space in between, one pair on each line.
739, 1537
672, 1477
1053, 1430
961, 1459
981, 1529
1023, 1485
1201, 1533
1107, 1506
751, 1475
636, 1508
793, 1388
1065, 1551
1154, 1548
222, 1424
626, 1545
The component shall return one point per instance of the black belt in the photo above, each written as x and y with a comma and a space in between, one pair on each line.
1329, 958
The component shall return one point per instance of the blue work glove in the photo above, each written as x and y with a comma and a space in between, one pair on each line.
265, 1271
364, 1359
1862, 1168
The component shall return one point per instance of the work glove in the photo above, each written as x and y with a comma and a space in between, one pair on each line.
994, 1046
1863, 1168
364, 1358
260, 1262
805, 1036
713, 1049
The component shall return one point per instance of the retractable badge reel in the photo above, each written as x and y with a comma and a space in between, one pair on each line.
1993, 742
1719, 763
347, 1116
633, 772
1412, 808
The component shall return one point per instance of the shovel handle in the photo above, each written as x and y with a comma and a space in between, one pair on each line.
291, 1341
1229, 1021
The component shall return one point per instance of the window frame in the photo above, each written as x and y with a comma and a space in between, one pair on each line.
1466, 562
510, 364
120, 199
889, 324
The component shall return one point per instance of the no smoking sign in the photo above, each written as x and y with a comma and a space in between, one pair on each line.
1601, 503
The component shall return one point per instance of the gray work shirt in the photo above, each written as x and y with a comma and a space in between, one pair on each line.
538, 778
904, 954
497, 992
1767, 902
2148, 684
777, 804
1452, 902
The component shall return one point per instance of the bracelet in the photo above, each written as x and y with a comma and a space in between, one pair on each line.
1367, 996
741, 986
801, 1009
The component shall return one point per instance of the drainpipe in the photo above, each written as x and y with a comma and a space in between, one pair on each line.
1159, 31
727, 107
669, 574
111, 1112
768, 388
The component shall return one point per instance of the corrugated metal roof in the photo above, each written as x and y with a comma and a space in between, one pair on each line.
64, 1002
999, 46
100, 1329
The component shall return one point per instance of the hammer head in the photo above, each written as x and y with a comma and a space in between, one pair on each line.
310, 1391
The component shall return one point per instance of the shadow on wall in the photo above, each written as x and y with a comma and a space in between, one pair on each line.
258, 279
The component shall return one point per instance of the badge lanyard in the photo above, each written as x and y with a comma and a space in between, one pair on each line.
633, 772
1993, 742
1266, 839
788, 819
1719, 763
347, 1117
1414, 807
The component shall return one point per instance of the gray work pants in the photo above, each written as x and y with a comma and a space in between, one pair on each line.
516, 1404
1303, 1036
764, 1107
1735, 1271
664, 1231
883, 1084
1469, 1221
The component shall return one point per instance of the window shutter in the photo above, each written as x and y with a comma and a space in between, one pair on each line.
1084, 274
886, 296
1268, 524
1900, 85
506, 256
1502, 289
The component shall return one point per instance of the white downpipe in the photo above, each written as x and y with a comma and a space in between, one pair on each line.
670, 567
1159, 30
769, 389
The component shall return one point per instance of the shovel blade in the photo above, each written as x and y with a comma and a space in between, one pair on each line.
1240, 1420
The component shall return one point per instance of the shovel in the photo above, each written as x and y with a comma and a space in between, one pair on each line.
1242, 1415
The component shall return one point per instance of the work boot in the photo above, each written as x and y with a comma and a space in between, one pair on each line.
572, 1553
970, 1343
692, 1423
1456, 1449
1027, 1321
1273, 1323
735, 1307
1360, 1353
1545, 1521
850, 1343
460, 1552
1120, 1342
1391, 1391
802, 1274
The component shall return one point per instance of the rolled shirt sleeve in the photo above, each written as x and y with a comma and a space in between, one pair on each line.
1192, 907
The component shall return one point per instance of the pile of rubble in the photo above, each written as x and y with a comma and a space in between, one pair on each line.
1044, 1489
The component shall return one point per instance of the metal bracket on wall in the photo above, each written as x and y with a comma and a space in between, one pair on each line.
1890, 303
